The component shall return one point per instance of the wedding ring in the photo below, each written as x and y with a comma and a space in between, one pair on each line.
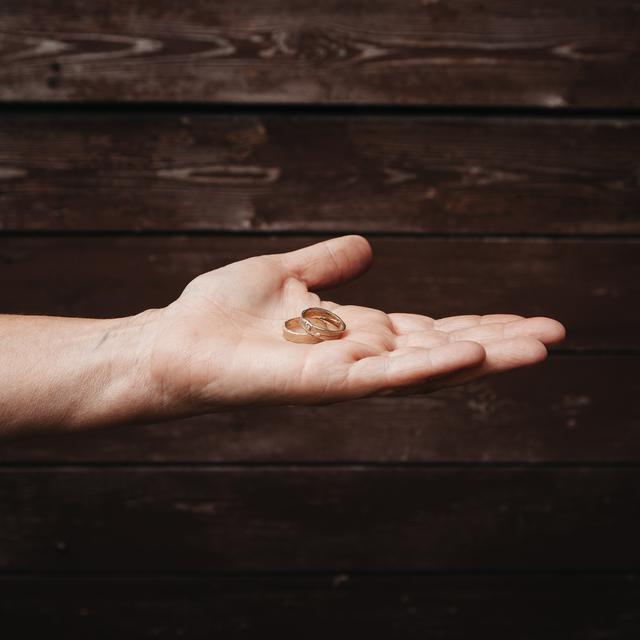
293, 332
313, 319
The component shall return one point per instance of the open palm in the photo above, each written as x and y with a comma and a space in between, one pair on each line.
220, 343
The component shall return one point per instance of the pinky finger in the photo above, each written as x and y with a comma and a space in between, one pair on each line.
411, 366
501, 356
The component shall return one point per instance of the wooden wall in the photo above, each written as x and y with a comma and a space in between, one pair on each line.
491, 153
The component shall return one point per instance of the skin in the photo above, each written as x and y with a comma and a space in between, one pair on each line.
219, 345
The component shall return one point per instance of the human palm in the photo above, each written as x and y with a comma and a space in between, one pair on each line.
220, 343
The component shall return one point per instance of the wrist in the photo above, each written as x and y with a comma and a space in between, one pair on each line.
118, 385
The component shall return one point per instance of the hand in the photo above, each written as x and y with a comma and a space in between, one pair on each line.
220, 343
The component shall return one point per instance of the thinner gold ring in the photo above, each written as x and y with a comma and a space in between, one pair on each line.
313, 318
293, 332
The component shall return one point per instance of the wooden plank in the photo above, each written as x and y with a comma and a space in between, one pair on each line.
502, 52
433, 606
564, 411
593, 287
319, 519
158, 171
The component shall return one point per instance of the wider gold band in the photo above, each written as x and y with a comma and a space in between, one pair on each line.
313, 319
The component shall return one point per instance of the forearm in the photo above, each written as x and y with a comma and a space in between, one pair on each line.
60, 374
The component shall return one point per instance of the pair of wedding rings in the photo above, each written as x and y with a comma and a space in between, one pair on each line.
314, 325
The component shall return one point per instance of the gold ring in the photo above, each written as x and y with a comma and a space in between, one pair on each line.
326, 318
293, 332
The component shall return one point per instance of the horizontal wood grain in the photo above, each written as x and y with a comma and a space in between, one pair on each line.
311, 519
566, 410
131, 171
501, 52
593, 287
459, 607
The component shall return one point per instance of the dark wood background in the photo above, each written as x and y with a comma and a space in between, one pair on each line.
490, 150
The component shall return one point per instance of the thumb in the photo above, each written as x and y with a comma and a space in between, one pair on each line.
331, 262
